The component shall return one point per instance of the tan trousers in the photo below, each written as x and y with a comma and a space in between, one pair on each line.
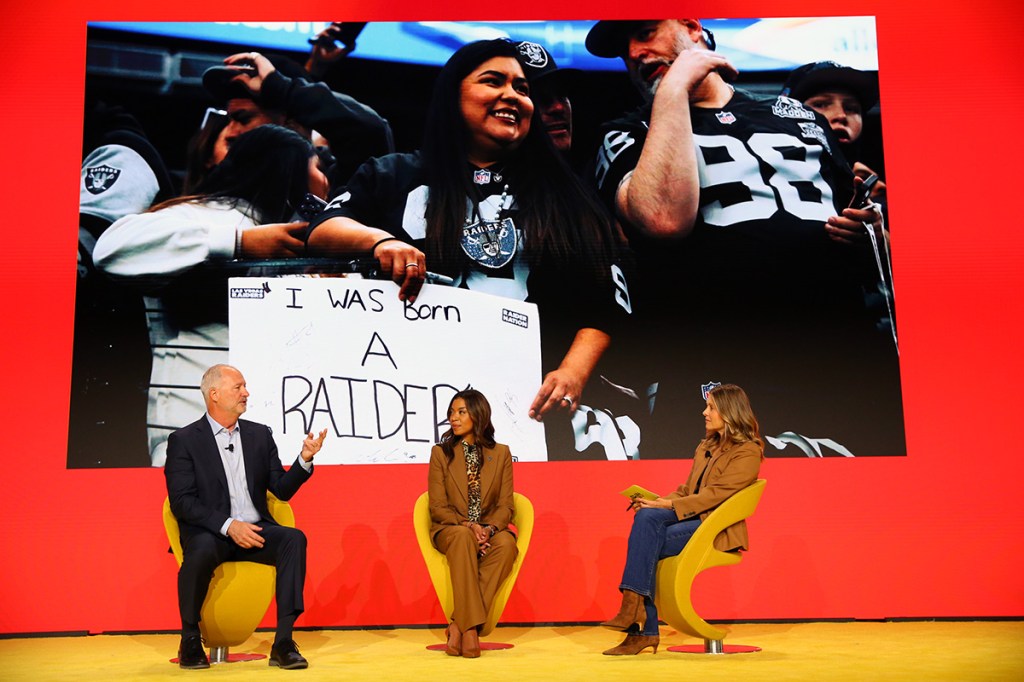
475, 580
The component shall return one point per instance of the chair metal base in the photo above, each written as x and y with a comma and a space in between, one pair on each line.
484, 646
714, 646
220, 655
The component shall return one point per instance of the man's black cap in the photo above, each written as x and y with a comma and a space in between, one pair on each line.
810, 79
538, 64
610, 38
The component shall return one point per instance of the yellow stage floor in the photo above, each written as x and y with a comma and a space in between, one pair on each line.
854, 651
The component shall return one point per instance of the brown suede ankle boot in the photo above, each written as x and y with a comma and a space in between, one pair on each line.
631, 611
634, 644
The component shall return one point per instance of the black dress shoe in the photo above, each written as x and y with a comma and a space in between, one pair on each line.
286, 655
191, 654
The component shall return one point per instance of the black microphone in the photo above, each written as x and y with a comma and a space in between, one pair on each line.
231, 448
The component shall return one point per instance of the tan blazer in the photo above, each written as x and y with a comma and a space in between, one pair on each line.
727, 471
449, 488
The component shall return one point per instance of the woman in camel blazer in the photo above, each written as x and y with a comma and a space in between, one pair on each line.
725, 462
471, 504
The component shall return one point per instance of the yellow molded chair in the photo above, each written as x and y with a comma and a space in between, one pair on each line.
437, 564
240, 591
676, 574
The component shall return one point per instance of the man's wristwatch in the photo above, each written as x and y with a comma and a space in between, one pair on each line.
493, 529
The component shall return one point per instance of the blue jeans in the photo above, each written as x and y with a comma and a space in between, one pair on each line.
656, 534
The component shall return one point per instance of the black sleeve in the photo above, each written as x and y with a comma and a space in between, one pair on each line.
617, 155
284, 484
355, 131
578, 296
371, 196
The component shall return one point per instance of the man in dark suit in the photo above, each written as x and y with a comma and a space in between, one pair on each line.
218, 472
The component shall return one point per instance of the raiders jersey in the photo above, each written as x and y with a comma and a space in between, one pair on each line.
757, 294
391, 193
770, 176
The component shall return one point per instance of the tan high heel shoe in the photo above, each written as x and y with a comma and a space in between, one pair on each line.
634, 644
471, 643
631, 611
454, 645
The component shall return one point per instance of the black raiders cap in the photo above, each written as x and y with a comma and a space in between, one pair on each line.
809, 79
538, 64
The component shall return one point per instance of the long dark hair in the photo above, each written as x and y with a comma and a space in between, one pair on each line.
480, 412
740, 423
561, 218
268, 167
199, 158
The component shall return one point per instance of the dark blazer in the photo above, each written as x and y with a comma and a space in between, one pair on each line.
198, 487
448, 487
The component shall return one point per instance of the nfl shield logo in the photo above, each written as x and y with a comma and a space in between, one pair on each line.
725, 117
491, 243
99, 179
708, 387
481, 176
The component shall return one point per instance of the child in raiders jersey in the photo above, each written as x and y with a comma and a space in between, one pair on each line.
176, 252
724, 199
489, 202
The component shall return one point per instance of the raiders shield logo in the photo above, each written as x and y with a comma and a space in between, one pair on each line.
491, 243
533, 54
99, 179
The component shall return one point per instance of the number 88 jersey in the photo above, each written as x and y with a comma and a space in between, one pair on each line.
770, 176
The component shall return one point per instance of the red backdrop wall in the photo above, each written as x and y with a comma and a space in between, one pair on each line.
937, 533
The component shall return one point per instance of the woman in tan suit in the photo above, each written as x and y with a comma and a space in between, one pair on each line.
470, 489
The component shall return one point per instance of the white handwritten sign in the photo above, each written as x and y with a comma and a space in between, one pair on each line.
346, 355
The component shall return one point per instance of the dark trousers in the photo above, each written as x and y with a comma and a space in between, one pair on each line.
284, 548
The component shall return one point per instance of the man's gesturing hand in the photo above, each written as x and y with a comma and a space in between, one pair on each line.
311, 445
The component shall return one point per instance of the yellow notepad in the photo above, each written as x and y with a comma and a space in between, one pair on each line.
635, 491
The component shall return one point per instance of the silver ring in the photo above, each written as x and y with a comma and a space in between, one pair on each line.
412, 265
567, 399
